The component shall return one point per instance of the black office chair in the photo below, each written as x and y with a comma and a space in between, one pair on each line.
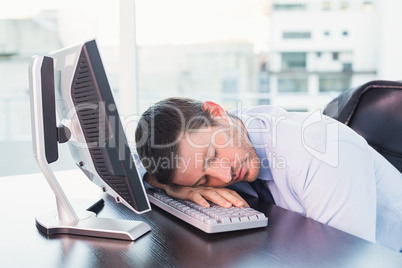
374, 110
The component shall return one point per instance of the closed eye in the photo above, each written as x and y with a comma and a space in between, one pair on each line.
209, 160
214, 157
203, 181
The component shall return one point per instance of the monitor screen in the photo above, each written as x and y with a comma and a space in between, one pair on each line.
86, 107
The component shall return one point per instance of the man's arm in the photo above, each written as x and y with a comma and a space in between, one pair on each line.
342, 196
200, 194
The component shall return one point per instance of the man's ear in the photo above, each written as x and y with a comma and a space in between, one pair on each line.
215, 110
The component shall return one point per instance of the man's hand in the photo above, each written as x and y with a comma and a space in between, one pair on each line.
200, 194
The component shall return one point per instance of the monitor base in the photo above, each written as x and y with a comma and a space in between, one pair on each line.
90, 225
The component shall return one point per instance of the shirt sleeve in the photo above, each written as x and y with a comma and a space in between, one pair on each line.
342, 195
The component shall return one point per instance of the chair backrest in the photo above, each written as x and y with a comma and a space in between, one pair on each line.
374, 110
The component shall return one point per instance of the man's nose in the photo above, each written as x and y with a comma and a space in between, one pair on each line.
223, 173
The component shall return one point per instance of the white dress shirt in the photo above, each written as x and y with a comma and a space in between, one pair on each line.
322, 169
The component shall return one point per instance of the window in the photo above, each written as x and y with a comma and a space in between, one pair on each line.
344, 6
327, 33
326, 5
345, 33
204, 59
292, 84
368, 6
264, 82
293, 60
334, 82
264, 102
347, 67
335, 55
289, 7
296, 35
296, 110
229, 86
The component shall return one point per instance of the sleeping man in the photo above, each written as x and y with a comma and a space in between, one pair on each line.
305, 162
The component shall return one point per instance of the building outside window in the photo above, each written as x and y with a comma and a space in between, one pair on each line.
347, 67
264, 82
368, 6
334, 82
229, 86
294, 60
344, 6
264, 102
335, 55
295, 84
347, 47
296, 35
326, 5
289, 7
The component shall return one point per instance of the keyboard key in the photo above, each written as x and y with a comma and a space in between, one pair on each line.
235, 220
210, 221
244, 219
190, 211
224, 220
253, 218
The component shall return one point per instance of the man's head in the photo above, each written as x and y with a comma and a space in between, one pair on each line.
187, 142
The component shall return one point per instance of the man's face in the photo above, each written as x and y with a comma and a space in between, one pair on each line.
216, 156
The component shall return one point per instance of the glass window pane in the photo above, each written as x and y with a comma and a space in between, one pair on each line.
292, 84
344, 6
218, 58
296, 35
368, 6
293, 60
326, 5
289, 7
335, 82
264, 102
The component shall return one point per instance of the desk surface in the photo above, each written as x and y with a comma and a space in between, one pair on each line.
289, 240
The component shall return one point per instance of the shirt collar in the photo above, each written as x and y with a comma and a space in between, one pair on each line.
253, 125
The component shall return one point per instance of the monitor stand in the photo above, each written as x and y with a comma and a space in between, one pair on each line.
89, 225
45, 140
81, 220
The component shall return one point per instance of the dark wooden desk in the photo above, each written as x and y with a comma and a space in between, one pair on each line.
290, 240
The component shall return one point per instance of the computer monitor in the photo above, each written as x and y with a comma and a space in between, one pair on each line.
73, 81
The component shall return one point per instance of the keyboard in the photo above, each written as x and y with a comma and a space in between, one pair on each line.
214, 219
